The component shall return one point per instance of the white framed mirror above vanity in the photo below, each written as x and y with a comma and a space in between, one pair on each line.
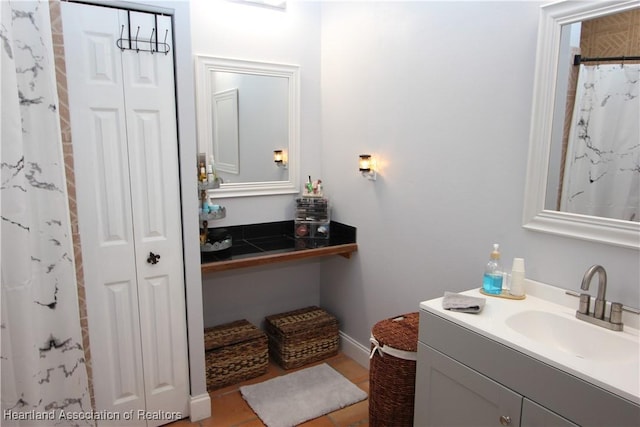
246, 111
572, 181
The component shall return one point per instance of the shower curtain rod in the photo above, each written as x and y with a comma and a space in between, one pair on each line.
578, 59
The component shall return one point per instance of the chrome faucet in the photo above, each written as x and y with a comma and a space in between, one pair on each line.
598, 310
614, 322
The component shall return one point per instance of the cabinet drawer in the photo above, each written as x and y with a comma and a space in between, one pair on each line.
534, 415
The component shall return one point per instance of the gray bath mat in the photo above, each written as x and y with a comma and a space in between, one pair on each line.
301, 396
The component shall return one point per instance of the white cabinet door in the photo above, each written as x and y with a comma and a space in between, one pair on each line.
450, 394
127, 184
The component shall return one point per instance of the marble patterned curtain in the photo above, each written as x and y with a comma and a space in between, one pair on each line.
44, 378
602, 169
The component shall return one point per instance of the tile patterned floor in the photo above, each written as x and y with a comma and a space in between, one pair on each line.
229, 409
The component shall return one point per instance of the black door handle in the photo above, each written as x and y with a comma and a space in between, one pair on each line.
153, 258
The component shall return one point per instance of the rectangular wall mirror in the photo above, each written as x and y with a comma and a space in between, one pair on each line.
582, 176
246, 110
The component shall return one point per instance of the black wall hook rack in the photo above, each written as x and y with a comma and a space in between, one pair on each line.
142, 44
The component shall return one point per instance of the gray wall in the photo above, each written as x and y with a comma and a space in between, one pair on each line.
441, 92
236, 30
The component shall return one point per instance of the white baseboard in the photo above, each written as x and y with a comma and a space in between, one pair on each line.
354, 350
200, 407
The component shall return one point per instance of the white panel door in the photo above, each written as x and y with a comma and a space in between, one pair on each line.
126, 165
225, 130
155, 193
94, 79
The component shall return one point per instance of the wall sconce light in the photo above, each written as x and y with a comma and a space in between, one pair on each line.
280, 158
367, 166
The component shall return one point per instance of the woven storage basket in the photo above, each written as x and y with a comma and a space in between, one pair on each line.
234, 352
302, 336
392, 371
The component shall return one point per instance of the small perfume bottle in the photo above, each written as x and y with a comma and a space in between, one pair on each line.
202, 176
211, 171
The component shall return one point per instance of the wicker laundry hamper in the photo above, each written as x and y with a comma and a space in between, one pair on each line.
392, 371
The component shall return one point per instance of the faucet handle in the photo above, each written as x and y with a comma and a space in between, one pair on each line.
616, 313
585, 299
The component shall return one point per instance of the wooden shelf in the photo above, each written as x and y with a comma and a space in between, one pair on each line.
343, 250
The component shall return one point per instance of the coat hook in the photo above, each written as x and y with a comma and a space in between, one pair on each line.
121, 33
166, 33
153, 30
137, 32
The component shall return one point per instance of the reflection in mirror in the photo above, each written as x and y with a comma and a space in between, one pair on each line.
594, 164
574, 179
247, 110
224, 119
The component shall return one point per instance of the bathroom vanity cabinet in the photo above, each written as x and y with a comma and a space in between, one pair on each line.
458, 395
466, 379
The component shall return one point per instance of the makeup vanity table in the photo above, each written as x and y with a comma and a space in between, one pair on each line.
274, 242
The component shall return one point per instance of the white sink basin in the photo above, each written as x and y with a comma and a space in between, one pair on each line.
573, 336
544, 326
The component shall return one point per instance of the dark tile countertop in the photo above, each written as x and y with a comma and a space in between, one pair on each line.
272, 238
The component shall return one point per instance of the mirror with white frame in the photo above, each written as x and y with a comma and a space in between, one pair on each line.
246, 110
543, 210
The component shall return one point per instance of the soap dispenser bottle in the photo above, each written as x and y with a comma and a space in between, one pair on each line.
492, 280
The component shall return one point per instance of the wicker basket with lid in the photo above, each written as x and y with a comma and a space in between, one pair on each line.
234, 352
302, 336
392, 371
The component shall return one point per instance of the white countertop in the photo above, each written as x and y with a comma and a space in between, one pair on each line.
620, 376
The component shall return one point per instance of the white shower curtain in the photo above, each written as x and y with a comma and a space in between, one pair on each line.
44, 378
602, 168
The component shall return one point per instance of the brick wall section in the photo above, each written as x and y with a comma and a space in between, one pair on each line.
67, 150
614, 35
